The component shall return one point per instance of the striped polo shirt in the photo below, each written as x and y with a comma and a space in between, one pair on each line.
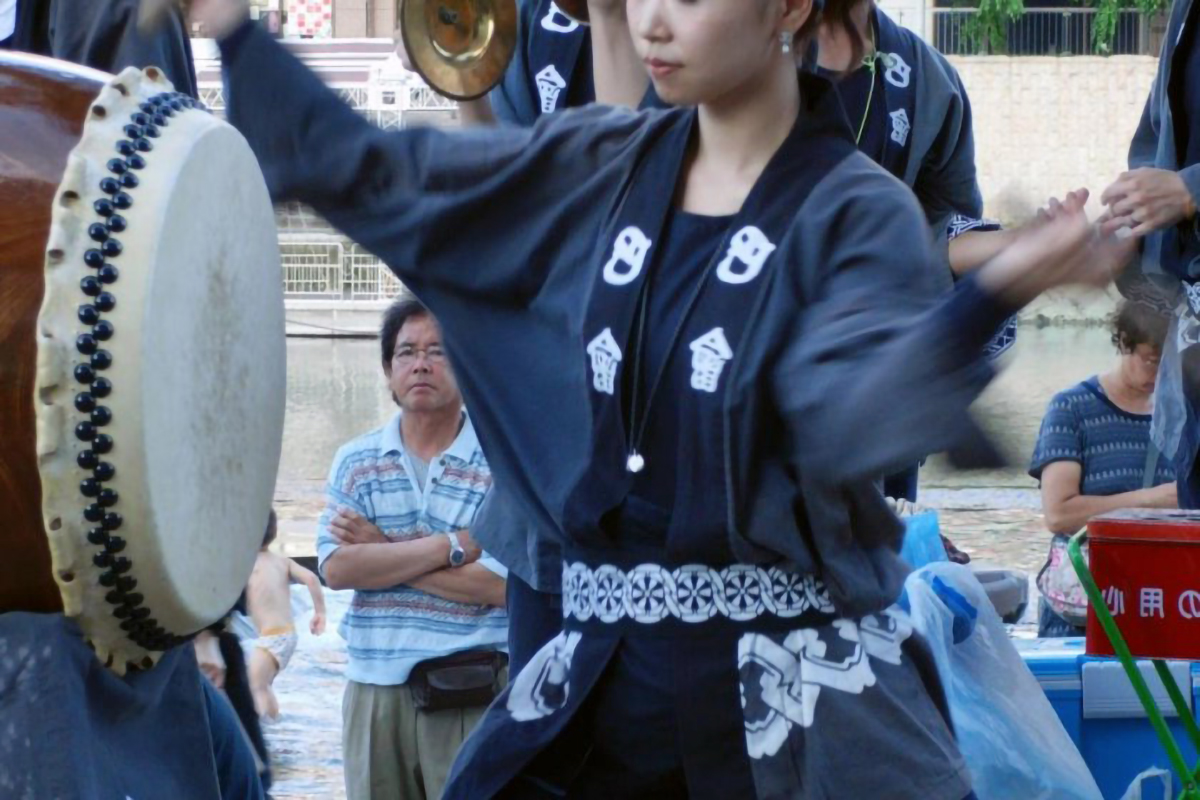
389, 631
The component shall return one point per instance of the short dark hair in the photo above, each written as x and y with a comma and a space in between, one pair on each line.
399, 312
272, 529
1135, 323
841, 14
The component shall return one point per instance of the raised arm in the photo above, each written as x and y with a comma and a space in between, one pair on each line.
619, 76
479, 212
880, 371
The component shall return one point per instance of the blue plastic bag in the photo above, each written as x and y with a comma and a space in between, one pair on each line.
1013, 742
922, 540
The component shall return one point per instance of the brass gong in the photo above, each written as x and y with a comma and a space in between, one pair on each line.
460, 47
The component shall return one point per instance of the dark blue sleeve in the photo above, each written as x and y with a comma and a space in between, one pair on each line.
488, 226
947, 183
105, 36
882, 365
1143, 149
480, 211
1059, 438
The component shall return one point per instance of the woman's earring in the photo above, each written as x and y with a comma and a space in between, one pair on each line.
786, 38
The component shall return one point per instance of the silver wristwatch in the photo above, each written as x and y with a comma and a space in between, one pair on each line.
458, 556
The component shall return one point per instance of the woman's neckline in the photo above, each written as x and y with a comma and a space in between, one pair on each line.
1106, 395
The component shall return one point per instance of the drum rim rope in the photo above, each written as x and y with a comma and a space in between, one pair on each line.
97, 239
145, 125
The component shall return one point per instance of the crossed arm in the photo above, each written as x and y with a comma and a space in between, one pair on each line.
367, 559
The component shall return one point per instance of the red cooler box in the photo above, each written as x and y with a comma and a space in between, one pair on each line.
1147, 565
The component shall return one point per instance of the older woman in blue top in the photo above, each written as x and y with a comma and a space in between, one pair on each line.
1093, 455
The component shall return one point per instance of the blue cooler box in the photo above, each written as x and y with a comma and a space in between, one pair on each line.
1101, 712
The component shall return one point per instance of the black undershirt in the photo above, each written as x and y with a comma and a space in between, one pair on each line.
689, 242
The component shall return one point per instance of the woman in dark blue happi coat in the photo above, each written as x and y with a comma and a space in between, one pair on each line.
908, 111
691, 338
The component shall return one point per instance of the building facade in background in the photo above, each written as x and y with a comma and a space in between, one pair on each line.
326, 19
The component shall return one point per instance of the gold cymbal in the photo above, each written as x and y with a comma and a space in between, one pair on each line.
460, 47
575, 9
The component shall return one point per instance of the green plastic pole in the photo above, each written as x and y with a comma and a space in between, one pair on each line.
1191, 790
1181, 706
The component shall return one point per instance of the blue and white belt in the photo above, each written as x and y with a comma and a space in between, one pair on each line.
692, 593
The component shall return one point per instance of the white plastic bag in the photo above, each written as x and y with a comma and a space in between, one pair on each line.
1013, 742
1134, 792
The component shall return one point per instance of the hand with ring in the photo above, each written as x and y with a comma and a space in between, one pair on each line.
1147, 200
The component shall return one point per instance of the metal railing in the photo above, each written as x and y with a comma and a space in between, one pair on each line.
324, 269
213, 96
313, 270
1042, 32
420, 98
368, 278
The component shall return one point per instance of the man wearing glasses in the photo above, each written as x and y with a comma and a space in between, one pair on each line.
426, 627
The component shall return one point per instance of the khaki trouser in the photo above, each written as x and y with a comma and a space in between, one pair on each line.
392, 751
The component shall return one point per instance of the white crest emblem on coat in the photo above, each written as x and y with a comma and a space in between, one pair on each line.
898, 73
710, 353
1193, 297
1188, 327
900, 126
556, 21
629, 250
545, 684
550, 85
781, 681
748, 248
605, 356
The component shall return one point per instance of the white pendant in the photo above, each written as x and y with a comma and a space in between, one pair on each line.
635, 463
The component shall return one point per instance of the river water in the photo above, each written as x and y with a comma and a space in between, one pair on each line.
336, 391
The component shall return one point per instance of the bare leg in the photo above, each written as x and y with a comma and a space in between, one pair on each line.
263, 669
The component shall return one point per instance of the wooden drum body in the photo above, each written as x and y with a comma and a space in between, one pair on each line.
142, 359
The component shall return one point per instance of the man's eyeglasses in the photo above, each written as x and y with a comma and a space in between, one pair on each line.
407, 356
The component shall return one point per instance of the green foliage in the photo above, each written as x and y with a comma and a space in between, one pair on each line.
987, 31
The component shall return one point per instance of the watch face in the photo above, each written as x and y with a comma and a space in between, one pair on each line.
457, 557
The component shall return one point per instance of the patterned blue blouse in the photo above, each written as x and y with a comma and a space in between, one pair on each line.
1083, 425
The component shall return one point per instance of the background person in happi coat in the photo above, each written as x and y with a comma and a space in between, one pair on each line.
102, 34
602, 323
1156, 200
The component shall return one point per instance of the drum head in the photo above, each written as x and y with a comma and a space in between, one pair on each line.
161, 370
